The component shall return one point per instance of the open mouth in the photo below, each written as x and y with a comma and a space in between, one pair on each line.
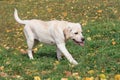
79, 43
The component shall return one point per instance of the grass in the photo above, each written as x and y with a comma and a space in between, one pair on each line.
100, 55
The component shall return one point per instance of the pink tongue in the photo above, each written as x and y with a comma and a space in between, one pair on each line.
82, 43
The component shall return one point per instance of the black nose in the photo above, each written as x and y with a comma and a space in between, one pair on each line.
83, 39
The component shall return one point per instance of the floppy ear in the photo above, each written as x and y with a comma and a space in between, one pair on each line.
67, 33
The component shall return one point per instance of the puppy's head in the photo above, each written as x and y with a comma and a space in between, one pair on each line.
74, 32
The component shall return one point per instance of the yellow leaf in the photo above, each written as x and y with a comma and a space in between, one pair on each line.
64, 78
99, 11
103, 79
18, 76
102, 76
37, 78
89, 38
23, 51
56, 63
75, 74
113, 42
35, 50
49, 10
48, 79
103, 70
28, 12
89, 78
8, 31
91, 72
88, 30
1, 68
117, 77
7, 47
35, 14
64, 14
41, 45
84, 22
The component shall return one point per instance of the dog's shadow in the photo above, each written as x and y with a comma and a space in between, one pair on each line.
45, 55
39, 55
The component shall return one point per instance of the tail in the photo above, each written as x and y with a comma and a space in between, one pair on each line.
17, 18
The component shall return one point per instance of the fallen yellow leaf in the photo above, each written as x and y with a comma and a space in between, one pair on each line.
35, 50
113, 43
56, 62
7, 47
89, 78
23, 51
37, 78
103, 79
117, 77
48, 79
99, 11
35, 14
75, 74
1, 68
102, 76
91, 72
64, 14
16, 76
49, 10
88, 30
8, 31
84, 22
64, 78
28, 12
41, 45
89, 38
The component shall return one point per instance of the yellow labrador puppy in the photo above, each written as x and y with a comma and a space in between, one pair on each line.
52, 32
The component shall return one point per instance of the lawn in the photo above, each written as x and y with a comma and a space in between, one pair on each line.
99, 59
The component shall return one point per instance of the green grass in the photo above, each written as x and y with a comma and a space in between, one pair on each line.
98, 54
101, 28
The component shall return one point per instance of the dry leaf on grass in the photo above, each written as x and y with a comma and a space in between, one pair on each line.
113, 43
67, 73
1, 68
37, 78
3, 74
64, 78
117, 77
89, 78
91, 72
23, 51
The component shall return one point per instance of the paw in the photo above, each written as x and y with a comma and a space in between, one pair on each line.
59, 58
31, 58
74, 62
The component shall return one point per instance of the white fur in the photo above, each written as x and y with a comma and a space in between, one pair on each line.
52, 32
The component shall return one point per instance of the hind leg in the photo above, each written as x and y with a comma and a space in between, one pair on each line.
30, 44
30, 40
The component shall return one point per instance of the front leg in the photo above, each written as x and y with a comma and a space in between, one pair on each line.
69, 57
59, 54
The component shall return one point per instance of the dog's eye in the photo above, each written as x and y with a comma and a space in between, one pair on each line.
76, 33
